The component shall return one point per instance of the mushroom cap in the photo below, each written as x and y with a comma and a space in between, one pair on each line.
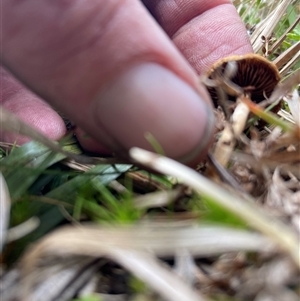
255, 75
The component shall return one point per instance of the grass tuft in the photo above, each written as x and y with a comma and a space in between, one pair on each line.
97, 229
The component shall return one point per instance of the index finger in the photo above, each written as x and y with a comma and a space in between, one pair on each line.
204, 31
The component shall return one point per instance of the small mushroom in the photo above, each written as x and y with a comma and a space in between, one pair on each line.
232, 78
255, 75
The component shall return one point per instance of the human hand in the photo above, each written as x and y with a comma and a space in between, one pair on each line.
115, 72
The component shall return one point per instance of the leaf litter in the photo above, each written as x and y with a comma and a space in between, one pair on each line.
227, 231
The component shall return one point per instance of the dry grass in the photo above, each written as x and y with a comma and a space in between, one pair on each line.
226, 232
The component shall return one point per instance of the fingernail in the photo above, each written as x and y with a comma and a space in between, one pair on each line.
151, 99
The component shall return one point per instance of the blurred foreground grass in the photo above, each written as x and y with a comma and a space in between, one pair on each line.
47, 191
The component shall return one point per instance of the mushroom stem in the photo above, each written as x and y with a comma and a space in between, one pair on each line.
227, 141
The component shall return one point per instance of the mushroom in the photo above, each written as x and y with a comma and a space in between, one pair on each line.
234, 77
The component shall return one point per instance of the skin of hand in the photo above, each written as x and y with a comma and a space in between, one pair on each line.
118, 69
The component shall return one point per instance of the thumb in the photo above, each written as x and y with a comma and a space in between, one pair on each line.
110, 68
